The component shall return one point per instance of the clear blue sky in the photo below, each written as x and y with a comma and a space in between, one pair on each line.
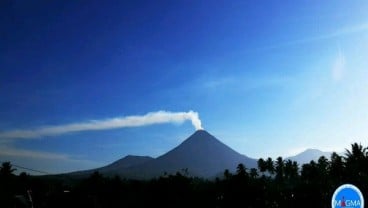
266, 78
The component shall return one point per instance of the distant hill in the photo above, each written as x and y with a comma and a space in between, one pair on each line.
200, 155
126, 162
117, 167
309, 155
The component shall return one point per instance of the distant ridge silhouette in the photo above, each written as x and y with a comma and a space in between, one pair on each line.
308, 155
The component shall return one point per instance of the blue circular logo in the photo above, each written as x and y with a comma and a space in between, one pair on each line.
347, 196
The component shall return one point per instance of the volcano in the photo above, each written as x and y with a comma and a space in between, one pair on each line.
200, 155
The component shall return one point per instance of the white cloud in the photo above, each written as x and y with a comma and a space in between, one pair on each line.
218, 82
111, 123
338, 68
242, 82
11, 151
363, 27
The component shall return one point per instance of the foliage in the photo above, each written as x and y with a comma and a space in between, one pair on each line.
279, 183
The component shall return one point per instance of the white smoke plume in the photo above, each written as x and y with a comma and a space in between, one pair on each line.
151, 118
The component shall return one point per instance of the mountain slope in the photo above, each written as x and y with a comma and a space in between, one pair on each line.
127, 162
117, 167
201, 154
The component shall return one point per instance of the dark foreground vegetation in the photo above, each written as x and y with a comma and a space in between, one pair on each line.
276, 183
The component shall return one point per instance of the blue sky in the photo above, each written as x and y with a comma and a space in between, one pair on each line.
266, 78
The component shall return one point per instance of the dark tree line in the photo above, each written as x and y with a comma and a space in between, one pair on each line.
275, 183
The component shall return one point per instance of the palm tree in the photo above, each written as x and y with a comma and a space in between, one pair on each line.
323, 165
6, 169
270, 166
241, 170
357, 153
336, 168
291, 169
262, 166
280, 168
227, 174
253, 173
356, 161
295, 168
309, 172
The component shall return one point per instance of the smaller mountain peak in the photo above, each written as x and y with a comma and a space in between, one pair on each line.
135, 157
312, 149
130, 156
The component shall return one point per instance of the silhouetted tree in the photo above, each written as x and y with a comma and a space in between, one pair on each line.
357, 153
262, 166
241, 170
279, 169
227, 174
356, 160
336, 168
323, 167
270, 166
356, 165
309, 172
291, 169
7, 184
253, 173
313, 186
6, 169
